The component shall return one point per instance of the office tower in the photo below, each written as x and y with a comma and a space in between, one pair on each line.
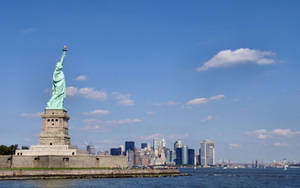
173, 156
129, 145
207, 153
131, 156
257, 164
177, 144
144, 145
178, 159
199, 157
91, 149
184, 155
116, 151
156, 147
168, 155
191, 156
122, 148
163, 143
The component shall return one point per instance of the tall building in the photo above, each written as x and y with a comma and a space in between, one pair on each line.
191, 156
131, 158
184, 155
168, 155
173, 156
122, 148
177, 144
144, 145
129, 145
91, 149
207, 153
116, 151
163, 143
178, 159
156, 147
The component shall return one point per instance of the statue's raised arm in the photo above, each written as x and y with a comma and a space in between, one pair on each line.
58, 85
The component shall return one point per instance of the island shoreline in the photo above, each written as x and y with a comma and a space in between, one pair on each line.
36, 174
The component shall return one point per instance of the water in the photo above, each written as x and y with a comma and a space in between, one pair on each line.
272, 178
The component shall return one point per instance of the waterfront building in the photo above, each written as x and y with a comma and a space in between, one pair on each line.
197, 159
168, 155
191, 156
257, 165
116, 151
91, 149
122, 148
159, 152
184, 155
178, 159
131, 157
207, 153
177, 144
163, 143
144, 145
129, 145
174, 156
156, 147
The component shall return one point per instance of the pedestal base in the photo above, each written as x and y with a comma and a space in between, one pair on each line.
38, 150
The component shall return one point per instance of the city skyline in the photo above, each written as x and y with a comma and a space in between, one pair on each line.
175, 71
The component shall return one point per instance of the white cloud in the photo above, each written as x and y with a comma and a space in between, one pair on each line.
234, 146
104, 125
284, 132
264, 134
226, 58
204, 100
217, 97
97, 112
31, 115
81, 77
198, 101
206, 119
160, 136
89, 93
169, 103
123, 99
278, 144
71, 91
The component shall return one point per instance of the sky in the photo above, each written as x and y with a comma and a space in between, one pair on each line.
138, 70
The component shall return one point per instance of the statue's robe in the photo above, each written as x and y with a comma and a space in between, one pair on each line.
58, 87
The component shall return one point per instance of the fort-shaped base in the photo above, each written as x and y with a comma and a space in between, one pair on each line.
40, 150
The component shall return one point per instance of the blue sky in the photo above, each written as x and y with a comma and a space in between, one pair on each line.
195, 70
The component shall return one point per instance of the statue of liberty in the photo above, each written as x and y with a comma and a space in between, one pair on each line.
58, 85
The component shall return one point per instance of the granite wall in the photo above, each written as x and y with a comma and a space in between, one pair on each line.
79, 161
5, 161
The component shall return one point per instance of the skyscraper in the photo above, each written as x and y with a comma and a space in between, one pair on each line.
177, 144
178, 159
129, 145
144, 145
91, 149
116, 151
184, 155
191, 156
207, 153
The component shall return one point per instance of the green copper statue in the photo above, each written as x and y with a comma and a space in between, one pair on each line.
58, 85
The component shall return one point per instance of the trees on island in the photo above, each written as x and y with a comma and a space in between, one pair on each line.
8, 150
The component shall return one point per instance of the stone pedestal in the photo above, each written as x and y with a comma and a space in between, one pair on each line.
54, 138
55, 129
